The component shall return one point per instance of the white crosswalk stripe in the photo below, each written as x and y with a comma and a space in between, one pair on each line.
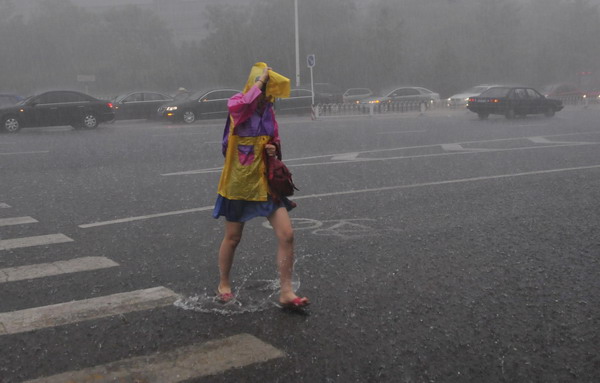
41, 270
40, 240
16, 221
178, 365
76, 311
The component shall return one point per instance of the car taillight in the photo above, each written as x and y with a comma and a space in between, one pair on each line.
109, 104
471, 99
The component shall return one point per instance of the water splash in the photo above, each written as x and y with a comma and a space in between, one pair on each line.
251, 296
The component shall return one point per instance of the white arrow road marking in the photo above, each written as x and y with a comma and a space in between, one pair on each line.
345, 157
544, 140
4, 205
178, 365
450, 147
16, 221
460, 148
77, 311
40, 240
41, 270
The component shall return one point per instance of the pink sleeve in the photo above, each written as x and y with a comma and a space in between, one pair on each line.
275, 130
241, 106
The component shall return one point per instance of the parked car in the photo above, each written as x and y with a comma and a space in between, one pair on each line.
55, 108
355, 95
300, 101
9, 99
512, 102
592, 96
202, 104
562, 90
461, 99
137, 105
326, 93
407, 93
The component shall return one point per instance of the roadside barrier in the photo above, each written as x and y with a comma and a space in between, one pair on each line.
354, 109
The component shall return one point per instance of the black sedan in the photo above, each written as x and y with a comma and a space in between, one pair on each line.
512, 102
299, 102
139, 105
203, 104
56, 108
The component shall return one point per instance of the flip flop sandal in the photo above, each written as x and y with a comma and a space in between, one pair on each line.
225, 297
295, 304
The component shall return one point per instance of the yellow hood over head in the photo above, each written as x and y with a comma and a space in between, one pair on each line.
278, 86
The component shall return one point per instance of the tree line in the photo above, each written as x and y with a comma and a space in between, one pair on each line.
444, 45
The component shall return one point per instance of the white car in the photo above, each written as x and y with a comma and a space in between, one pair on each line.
461, 100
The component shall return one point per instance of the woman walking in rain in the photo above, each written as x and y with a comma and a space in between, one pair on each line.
250, 132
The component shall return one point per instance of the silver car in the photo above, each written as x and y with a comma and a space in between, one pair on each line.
415, 94
460, 100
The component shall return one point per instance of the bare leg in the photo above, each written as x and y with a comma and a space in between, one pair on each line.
233, 235
280, 220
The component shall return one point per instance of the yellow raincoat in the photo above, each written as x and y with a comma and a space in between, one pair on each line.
246, 134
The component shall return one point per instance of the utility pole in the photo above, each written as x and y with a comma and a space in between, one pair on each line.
297, 44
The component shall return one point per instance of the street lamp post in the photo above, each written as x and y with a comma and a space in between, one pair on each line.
297, 44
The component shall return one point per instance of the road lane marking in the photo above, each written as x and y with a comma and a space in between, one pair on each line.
41, 270
181, 364
345, 157
31, 152
4, 205
448, 182
200, 171
460, 180
289, 160
51, 239
453, 153
16, 221
460, 148
131, 219
402, 131
77, 311
540, 140
544, 140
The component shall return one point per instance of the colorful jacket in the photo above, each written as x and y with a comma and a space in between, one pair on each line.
246, 134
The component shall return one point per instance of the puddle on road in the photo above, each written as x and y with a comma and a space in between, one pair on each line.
251, 296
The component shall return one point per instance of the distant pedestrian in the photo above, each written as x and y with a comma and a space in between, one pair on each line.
250, 132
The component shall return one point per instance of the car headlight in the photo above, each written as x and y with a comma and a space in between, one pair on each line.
171, 108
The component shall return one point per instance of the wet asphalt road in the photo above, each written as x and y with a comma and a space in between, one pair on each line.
435, 248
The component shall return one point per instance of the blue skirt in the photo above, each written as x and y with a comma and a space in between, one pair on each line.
242, 211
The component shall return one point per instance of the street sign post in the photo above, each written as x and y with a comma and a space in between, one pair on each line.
86, 78
310, 62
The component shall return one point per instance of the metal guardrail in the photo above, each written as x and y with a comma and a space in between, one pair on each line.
353, 109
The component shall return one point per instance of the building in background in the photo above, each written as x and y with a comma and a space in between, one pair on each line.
186, 18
